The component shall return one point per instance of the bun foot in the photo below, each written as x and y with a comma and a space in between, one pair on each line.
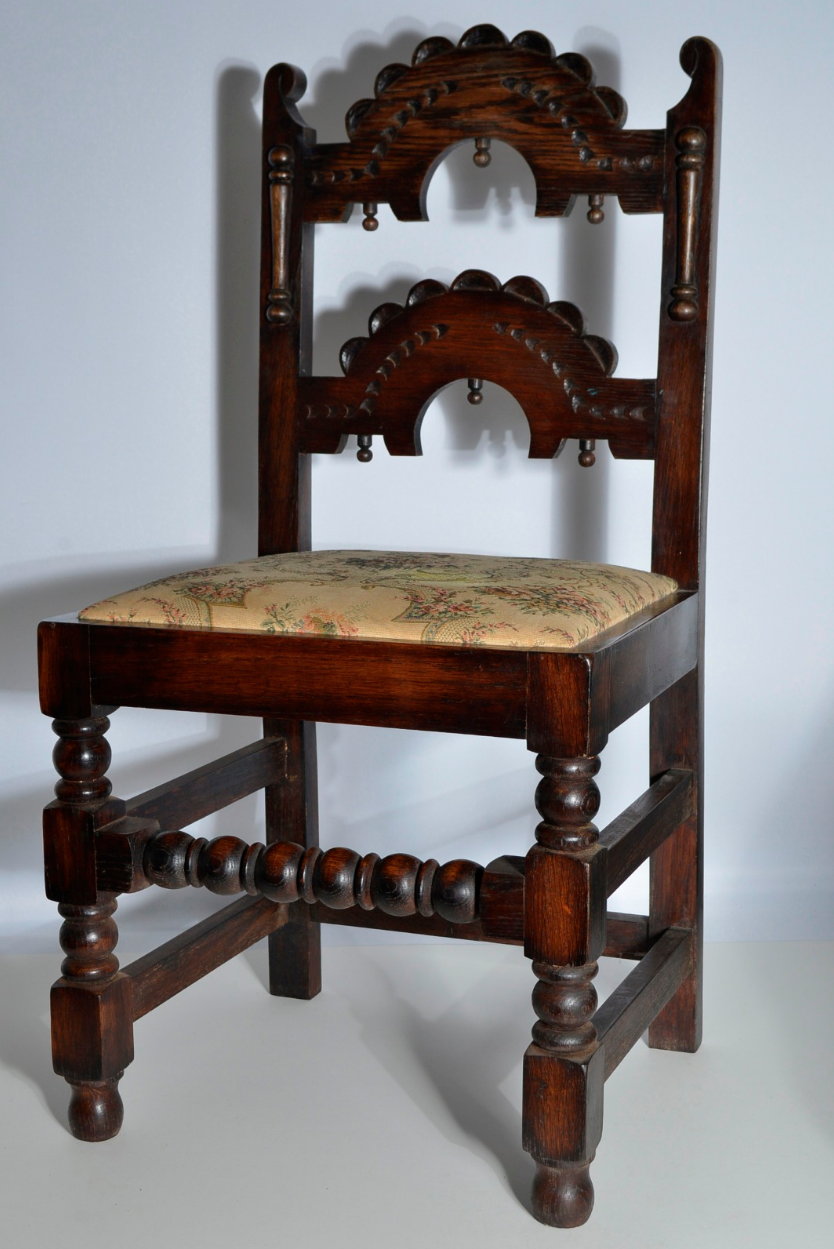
562, 1196
95, 1110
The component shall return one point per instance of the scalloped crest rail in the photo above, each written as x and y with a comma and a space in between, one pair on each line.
564, 704
547, 107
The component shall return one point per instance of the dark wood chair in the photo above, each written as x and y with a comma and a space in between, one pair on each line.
188, 643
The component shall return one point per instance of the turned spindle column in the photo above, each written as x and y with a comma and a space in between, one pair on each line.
91, 1019
564, 935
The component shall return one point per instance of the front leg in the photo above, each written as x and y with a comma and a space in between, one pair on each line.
564, 934
92, 1020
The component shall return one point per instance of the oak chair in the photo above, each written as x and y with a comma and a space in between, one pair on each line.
553, 653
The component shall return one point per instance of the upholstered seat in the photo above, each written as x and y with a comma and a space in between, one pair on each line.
469, 600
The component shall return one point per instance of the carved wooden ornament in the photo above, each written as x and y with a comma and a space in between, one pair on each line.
519, 91
281, 176
479, 330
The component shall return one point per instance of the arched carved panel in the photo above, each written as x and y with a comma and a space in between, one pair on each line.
510, 335
487, 87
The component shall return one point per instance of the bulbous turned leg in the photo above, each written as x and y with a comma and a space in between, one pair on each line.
91, 1024
562, 1196
96, 1110
564, 928
92, 1034
563, 1094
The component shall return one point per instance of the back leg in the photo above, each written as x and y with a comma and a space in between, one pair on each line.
677, 867
292, 815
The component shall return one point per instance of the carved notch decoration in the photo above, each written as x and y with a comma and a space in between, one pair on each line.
691, 144
281, 159
487, 87
480, 330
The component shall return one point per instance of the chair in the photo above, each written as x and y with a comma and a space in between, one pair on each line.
557, 654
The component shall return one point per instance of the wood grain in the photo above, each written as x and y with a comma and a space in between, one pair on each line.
397, 685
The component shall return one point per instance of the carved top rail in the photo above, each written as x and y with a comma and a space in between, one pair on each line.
510, 335
547, 107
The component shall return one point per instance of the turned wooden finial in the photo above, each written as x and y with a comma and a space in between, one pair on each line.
370, 222
364, 455
286, 872
482, 155
595, 213
476, 387
587, 457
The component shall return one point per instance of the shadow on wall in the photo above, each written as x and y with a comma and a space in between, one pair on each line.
580, 498
238, 230
237, 172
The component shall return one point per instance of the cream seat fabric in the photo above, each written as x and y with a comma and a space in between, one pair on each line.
468, 600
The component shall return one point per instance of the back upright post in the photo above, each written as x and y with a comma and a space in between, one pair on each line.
680, 499
284, 474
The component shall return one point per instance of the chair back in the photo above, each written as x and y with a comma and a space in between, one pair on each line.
572, 134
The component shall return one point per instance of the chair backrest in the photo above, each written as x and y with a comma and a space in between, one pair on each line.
571, 134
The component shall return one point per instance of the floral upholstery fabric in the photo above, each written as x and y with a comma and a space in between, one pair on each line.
467, 600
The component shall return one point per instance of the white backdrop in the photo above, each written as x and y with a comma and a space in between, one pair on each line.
130, 211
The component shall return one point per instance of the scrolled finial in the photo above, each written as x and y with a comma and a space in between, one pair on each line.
697, 55
292, 81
